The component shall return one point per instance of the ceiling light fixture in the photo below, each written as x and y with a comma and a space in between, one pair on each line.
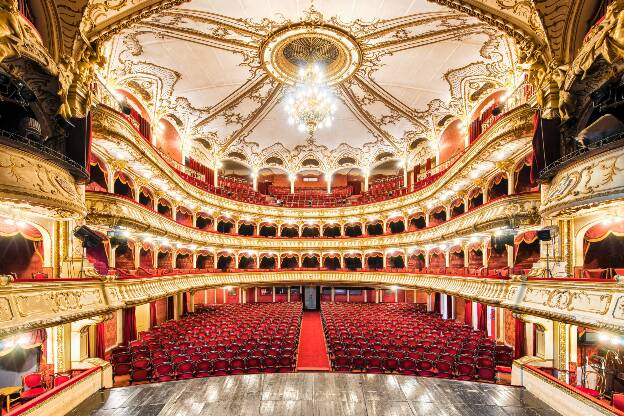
310, 104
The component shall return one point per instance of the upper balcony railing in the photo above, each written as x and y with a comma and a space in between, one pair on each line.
520, 96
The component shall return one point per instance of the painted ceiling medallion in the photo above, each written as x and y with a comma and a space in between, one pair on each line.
290, 48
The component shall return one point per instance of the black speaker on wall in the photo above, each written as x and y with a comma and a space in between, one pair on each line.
544, 235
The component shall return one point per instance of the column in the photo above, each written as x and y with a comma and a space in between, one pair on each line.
566, 241
333, 293
255, 295
244, 291
342, 261
194, 260
215, 259
258, 228
216, 175
111, 258
292, 179
426, 258
240, 294
176, 306
328, 179
511, 182
273, 292
174, 258
466, 256
236, 260
405, 173
405, 259
466, 204
384, 260
257, 261
426, 219
174, 211
194, 218
288, 294
155, 252
137, 193
365, 296
342, 228
510, 256
192, 302
564, 345
61, 345
254, 180
366, 182
484, 188
111, 181
484, 250
137, 254
447, 257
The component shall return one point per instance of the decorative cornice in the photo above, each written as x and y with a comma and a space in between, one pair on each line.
27, 306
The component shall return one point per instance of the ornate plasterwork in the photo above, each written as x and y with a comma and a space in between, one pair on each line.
24, 306
231, 125
590, 181
32, 183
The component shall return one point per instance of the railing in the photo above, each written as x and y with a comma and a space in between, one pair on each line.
46, 152
518, 97
607, 143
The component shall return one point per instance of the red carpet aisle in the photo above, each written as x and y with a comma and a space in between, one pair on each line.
312, 353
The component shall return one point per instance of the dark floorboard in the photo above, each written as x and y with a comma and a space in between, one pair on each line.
314, 394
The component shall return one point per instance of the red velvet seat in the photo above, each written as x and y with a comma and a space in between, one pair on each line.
184, 370
163, 372
204, 368
60, 379
32, 385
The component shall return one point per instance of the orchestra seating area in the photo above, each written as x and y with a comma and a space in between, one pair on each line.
220, 340
401, 338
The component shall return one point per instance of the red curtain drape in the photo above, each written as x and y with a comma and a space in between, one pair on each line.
100, 340
153, 321
468, 313
481, 317
519, 339
129, 325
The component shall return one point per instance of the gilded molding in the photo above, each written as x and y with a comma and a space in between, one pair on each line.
33, 183
596, 179
591, 304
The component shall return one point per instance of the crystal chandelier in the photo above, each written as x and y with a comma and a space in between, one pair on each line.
310, 104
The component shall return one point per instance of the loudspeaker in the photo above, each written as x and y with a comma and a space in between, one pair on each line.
88, 237
497, 110
125, 109
544, 235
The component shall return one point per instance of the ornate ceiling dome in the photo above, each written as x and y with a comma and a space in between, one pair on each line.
400, 73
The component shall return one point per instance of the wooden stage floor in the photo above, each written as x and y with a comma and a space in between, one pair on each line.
314, 394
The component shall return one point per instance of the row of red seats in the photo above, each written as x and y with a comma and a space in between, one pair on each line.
401, 338
217, 340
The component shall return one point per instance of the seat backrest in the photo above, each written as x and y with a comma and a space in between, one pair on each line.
32, 380
60, 379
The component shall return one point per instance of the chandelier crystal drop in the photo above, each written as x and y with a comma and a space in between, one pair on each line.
310, 104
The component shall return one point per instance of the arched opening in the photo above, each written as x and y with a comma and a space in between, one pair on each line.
184, 216
224, 261
246, 228
168, 140
164, 260
457, 208
310, 261
417, 222
526, 250
416, 261
396, 225
437, 216
137, 112
497, 258
475, 199
21, 250
146, 258
331, 261
274, 181
498, 186
374, 228
124, 256
395, 261
456, 259
97, 175
204, 221
122, 185
246, 261
164, 208
603, 249
184, 260
452, 140
268, 262
235, 178
311, 230
290, 231
289, 261
353, 230
146, 198
331, 230
268, 230
225, 226
346, 182
437, 262
205, 261
523, 182
475, 258
353, 261
374, 261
